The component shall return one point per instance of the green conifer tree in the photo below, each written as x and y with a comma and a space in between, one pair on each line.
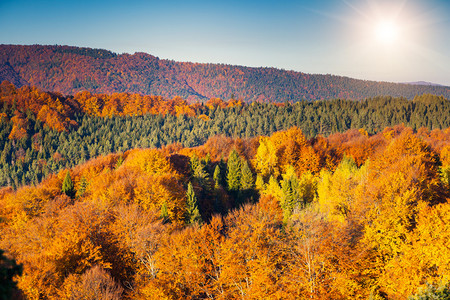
233, 171
192, 212
291, 194
247, 182
217, 176
194, 162
82, 187
67, 186
164, 212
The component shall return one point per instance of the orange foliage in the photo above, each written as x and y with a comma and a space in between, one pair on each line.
390, 239
57, 111
20, 126
284, 148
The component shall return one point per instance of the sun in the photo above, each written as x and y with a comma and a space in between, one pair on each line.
386, 32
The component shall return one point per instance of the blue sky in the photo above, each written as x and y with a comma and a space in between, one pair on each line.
322, 36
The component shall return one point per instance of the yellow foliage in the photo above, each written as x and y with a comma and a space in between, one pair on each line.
266, 159
337, 193
150, 161
153, 191
285, 148
273, 189
425, 255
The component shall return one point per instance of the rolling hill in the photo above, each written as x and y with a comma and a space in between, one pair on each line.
72, 69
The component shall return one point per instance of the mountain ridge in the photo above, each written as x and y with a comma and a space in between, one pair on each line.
421, 82
69, 69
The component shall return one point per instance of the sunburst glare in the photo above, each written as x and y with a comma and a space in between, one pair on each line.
387, 37
386, 32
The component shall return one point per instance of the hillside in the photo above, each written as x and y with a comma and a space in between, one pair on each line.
43, 132
71, 69
350, 216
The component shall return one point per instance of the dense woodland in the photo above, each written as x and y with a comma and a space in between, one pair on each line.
126, 196
71, 69
350, 216
42, 132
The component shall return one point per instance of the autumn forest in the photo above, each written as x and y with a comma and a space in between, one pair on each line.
108, 194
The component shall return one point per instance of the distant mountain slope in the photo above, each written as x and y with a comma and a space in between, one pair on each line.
423, 83
71, 69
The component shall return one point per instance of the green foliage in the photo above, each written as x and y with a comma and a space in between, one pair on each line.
119, 162
201, 175
292, 196
445, 176
194, 162
192, 212
82, 188
234, 171
164, 212
433, 292
44, 151
247, 181
247, 251
217, 177
67, 186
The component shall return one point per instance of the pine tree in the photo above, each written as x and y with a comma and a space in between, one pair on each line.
201, 175
291, 197
233, 171
67, 186
119, 162
217, 176
192, 212
247, 182
82, 187
194, 162
164, 213
222, 168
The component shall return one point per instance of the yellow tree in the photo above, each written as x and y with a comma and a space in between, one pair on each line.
154, 192
400, 179
425, 255
266, 159
336, 192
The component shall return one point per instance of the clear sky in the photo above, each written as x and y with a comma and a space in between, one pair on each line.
383, 40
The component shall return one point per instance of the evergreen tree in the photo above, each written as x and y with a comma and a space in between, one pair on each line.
82, 187
233, 171
217, 176
222, 167
247, 182
192, 212
440, 291
201, 175
164, 213
194, 162
67, 186
291, 195
119, 161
